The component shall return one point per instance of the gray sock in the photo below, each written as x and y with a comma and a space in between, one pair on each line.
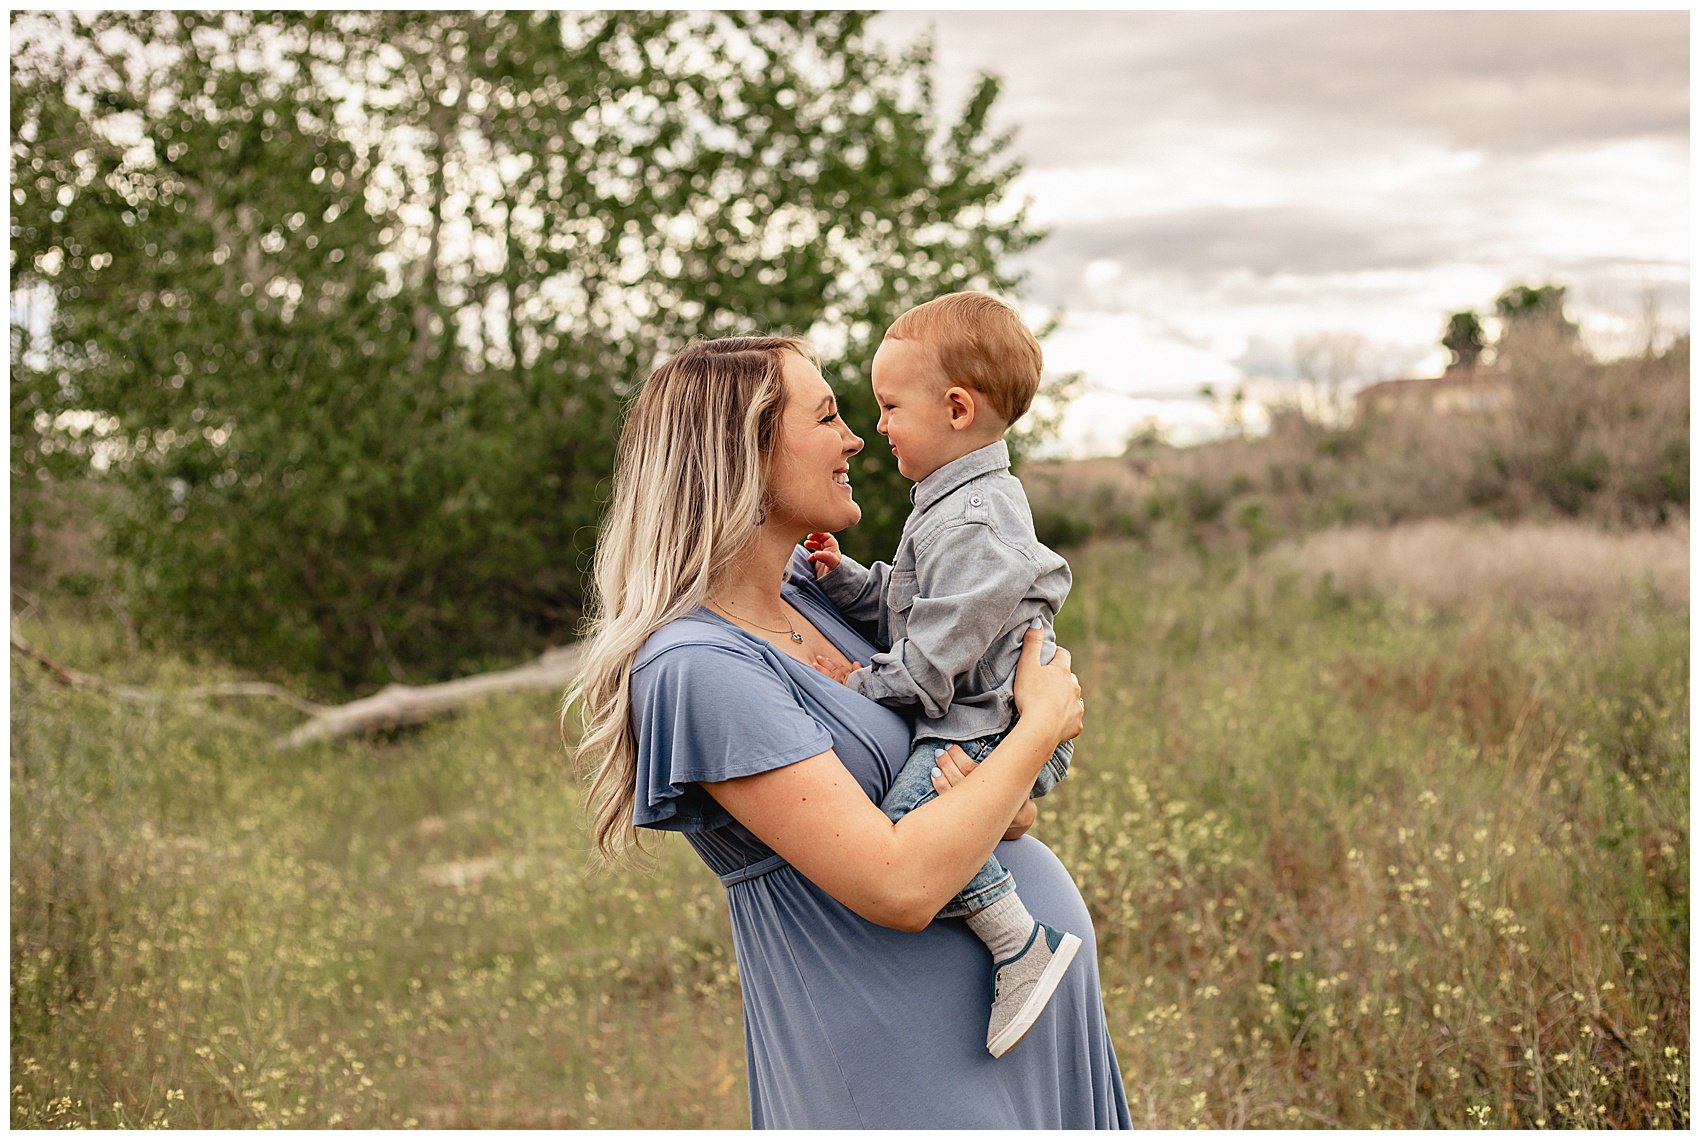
1004, 927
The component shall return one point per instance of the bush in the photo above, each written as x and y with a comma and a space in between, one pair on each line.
1061, 529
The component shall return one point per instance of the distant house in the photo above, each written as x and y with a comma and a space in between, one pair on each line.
1459, 391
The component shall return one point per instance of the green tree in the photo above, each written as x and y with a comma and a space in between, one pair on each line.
360, 294
1464, 339
1551, 447
1521, 302
1533, 313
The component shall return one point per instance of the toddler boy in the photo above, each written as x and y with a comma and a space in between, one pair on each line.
968, 578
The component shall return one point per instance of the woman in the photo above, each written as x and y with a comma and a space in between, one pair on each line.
703, 714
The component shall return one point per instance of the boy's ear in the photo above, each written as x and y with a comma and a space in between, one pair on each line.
963, 407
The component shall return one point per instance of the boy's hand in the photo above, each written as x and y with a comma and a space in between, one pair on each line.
826, 554
839, 673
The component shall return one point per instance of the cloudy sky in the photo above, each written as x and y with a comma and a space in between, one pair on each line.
1219, 185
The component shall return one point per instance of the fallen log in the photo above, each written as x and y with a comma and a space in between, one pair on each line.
76, 679
396, 705
390, 707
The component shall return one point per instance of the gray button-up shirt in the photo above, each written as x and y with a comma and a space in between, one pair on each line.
968, 577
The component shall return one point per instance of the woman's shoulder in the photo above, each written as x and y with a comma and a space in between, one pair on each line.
715, 700
692, 637
699, 635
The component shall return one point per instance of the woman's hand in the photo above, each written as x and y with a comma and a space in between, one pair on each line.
953, 767
1049, 693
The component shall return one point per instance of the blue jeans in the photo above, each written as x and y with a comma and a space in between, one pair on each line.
914, 787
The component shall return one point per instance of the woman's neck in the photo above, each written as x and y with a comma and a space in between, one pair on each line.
751, 586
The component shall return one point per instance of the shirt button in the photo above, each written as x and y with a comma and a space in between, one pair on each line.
975, 501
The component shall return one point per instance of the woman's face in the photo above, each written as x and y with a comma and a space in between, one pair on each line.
809, 488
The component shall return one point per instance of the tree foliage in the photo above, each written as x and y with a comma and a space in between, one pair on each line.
1464, 339
1532, 303
347, 304
1532, 322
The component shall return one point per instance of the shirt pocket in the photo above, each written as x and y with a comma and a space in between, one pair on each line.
901, 590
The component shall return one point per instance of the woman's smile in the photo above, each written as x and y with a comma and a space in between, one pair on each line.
813, 432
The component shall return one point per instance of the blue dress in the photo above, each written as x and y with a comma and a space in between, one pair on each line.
849, 1024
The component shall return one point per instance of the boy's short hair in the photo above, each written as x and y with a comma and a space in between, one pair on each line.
980, 343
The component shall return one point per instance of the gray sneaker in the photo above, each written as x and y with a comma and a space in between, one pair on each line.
1022, 986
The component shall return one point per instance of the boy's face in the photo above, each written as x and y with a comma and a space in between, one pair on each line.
914, 411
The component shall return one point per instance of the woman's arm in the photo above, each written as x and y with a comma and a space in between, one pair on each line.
954, 767
1023, 822
815, 815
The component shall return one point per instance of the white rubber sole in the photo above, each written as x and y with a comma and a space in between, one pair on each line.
1010, 1035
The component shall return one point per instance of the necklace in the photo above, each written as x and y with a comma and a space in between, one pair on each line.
795, 636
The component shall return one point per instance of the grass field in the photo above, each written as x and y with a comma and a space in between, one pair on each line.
1359, 853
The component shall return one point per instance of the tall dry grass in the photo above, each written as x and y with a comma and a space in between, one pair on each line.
1562, 567
1358, 862
1352, 862
373, 934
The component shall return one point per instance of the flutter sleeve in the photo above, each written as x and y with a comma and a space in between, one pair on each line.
705, 711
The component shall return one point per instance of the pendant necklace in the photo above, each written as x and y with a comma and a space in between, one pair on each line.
795, 636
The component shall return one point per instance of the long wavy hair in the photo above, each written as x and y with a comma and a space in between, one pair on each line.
689, 479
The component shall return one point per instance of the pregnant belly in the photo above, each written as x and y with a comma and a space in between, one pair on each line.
856, 1025
790, 933
1045, 885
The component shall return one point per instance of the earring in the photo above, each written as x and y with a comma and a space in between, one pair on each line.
761, 515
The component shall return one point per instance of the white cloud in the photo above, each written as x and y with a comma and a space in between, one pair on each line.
1133, 371
1126, 353
1101, 423
1218, 184
1100, 273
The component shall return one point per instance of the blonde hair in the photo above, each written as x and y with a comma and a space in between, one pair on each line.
980, 343
689, 477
